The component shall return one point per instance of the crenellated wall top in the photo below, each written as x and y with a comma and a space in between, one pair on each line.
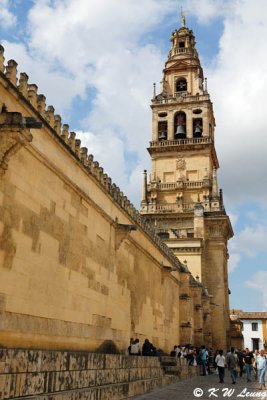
46, 114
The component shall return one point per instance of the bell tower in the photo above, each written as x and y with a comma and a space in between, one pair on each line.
181, 197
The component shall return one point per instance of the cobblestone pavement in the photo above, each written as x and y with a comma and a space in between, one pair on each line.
207, 387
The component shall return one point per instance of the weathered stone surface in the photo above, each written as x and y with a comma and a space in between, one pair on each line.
80, 375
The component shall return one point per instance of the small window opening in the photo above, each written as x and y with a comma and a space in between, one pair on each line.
254, 326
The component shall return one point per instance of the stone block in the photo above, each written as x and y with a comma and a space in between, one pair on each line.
32, 384
88, 394
2, 385
146, 373
34, 360
64, 380
86, 378
3, 354
17, 361
122, 375
51, 361
95, 361
2, 366
135, 374
12, 385
114, 392
126, 361
106, 377
153, 384
51, 381
78, 361
113, 361
156, 372
136, 388
133, 361
166, 360
6, 386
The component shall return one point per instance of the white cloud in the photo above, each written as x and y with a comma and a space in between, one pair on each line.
250, 241
234, 261
98, 44
258, 281
238, 85
75, 46
7, 18
59, 89
206, 10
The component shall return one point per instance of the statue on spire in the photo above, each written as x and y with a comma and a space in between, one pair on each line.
183, 14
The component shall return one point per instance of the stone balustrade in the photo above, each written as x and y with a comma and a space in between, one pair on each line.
183, 97
181, 142
176, 185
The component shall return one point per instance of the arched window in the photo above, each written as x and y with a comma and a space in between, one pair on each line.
162, 130
181, 85
197, 127
180, 125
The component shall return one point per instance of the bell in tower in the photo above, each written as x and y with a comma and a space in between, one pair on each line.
197, 127
162, 130
180, 126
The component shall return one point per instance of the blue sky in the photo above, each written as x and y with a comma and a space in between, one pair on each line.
96, 61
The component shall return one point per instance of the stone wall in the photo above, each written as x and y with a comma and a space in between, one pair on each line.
79, 266
56, 375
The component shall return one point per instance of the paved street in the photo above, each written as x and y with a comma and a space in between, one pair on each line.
184, 390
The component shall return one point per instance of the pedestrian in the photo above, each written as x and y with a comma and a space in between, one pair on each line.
178, 352
240, 356
148, 349
173, 352
220, 362
190, 356
248, 358
254, 364
135, 348
203, 359
261, 367
129, 348
232, 362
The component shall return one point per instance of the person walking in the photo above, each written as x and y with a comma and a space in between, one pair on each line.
220, 362
248, 358
261, 368
232, 362
203, 359
240, 356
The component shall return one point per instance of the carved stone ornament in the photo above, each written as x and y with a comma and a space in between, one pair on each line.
13, 135
180, 164
198, 210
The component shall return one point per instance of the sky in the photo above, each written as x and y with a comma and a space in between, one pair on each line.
96, 61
